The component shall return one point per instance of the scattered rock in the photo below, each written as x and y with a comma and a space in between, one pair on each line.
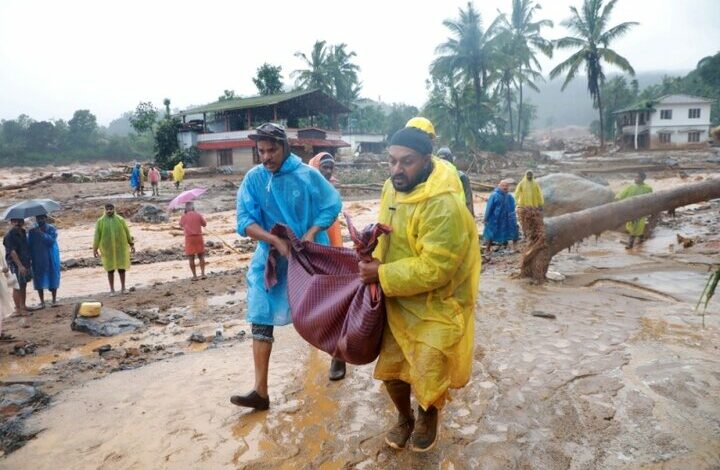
196, 338
71, 263
16, 397
118, 353
555, 276
541, 314
564, 193
103, 349
110, 322
150, 213
686, 242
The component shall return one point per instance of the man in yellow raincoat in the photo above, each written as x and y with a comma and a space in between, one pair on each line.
178, 174
636, 228
428, 268
529, 201
112, 240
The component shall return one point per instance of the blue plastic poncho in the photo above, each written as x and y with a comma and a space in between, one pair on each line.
45, 256
297, 196
135, 178
500, 220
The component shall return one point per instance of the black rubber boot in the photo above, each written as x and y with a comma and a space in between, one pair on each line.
399, 434
337, 370
631, 243
426, 431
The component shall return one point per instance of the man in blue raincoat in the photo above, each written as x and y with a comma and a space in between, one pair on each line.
135, 180
500, 220
45, 256
282, 190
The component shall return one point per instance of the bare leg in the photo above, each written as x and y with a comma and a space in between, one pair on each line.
111, 280
54, 296
19, 306
23, 297
191, 259
41, 294
201, 256
261, 357
121, 272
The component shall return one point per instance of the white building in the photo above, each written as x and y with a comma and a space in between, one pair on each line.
672, 121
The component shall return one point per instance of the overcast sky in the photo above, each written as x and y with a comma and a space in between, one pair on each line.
59, 56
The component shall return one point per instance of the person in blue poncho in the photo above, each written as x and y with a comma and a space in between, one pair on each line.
45, 256
500, 220
135, 180
281, 190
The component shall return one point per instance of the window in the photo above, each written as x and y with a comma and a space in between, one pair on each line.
664, 137
694, 113
225, 157
666, 114
694, 136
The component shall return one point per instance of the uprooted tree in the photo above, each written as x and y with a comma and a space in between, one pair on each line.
566, 230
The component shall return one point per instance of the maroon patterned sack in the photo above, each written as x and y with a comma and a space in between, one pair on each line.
330, 306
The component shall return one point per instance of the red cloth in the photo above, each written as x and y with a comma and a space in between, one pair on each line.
192, 223
154, 175
194, 245
331, 308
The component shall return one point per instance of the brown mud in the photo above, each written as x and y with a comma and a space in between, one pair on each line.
625, 376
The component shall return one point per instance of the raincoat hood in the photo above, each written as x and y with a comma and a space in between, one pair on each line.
291, 163
442, 179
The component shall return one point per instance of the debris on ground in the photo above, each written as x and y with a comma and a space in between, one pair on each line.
110, 322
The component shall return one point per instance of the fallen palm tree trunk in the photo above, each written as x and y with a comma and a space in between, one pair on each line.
564, 231
27, 183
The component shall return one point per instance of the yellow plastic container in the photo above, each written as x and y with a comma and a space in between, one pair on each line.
90, 309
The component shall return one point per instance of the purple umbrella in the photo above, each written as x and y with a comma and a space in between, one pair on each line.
186, 196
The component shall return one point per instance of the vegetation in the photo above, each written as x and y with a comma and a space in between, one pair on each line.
24, 141
268, 79
331, 70
592, 38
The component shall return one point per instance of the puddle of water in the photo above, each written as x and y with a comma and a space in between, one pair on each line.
683, 285
33, 364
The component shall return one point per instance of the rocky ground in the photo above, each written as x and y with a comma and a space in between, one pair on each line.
608, 366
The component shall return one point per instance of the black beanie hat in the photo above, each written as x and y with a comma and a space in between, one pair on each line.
413, 138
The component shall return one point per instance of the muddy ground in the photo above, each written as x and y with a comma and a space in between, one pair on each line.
624, 376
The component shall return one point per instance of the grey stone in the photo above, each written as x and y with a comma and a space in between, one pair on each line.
71, 263
110, 322
18, 396
150, 213
564, 193
196, 338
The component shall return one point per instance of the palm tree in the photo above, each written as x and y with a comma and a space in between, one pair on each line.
592, 37
316, 75
166, 102
526, 40
468, 51
344, 74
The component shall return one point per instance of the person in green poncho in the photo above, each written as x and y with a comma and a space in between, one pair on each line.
636, 228
112, 239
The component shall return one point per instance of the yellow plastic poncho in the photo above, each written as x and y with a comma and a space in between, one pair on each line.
112, 238
528, 194
429, 273
178, 172
636, 227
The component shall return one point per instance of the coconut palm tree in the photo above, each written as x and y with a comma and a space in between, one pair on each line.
592, 37
344, 73
526, 41
468, 51
316, 75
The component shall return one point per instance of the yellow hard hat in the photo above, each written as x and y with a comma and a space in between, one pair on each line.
423, 124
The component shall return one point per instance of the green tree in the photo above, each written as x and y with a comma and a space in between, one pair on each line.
83, 130
166, 103
268, 79
709, 70
592, 37
617, 94
367, 118
315, 74
144, 117
41, 136
526, 41
166, 142
344, 73
227, 95
400, 114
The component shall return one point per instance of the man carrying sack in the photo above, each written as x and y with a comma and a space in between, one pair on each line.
428, 268
283, 190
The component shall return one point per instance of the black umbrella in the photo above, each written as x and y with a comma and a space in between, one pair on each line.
30, 208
